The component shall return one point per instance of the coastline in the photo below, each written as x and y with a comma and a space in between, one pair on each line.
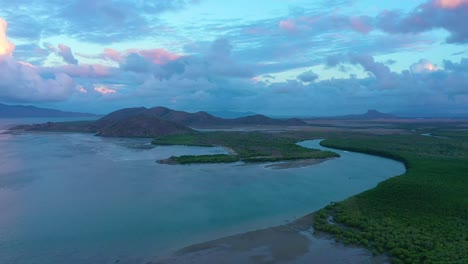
295, 242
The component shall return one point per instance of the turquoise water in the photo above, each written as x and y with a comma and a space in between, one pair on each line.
77, 198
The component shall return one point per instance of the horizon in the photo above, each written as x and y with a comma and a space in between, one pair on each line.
228, 113
277, 58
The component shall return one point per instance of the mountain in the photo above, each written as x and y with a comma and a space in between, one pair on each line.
369, 115
128, 122
153, 122
18, 111
372, 114
141, 125
204, 119
264, 120
231, 114
198, 119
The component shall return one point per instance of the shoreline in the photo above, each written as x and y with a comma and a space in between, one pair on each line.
296, 163
294, 242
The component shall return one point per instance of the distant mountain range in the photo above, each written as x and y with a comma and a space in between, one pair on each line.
369, 115
17, 111
231, 114
156, 121
199, 119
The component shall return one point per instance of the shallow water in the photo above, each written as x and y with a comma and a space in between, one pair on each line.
77, 198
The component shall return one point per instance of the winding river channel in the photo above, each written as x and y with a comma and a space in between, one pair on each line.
76, 198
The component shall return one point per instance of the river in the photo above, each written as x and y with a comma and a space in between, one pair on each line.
77, 198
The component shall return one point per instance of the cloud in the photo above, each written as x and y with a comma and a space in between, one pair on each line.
423, 66
81, 71
157, 56
66, 53
459, 67
319, 24
136, 63
21, 82
379, 70
450, 4
288, 25
107, 21
102, 89
113, 55
216, 62
434, 14
62, 51
361, 24
6, 46
308, 76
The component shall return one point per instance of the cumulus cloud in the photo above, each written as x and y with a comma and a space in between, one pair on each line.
423, 66
6, 46
22, 82
434, 14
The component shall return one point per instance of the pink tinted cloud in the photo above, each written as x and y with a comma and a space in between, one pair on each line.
360, 24
423, 66
158, 56
102, 89
82, 89
288, 25
112, 54
23, 82
6, 46
449, 4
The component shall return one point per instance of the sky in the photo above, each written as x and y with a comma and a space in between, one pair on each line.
275, 57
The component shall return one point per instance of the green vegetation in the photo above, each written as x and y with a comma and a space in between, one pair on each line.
418, 217
218, 158
248, 147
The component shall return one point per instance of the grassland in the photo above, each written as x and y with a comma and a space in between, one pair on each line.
248, 147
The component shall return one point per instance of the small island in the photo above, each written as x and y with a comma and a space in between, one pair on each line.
243, 146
